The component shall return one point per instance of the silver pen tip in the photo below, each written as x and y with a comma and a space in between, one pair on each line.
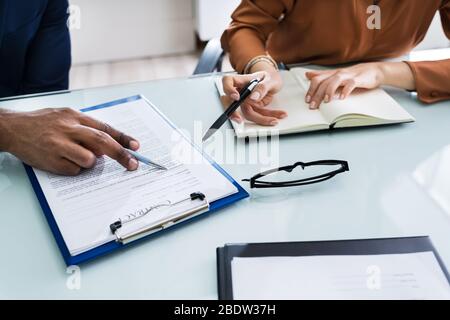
207, 135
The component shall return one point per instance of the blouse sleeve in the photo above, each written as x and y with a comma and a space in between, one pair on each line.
252, 23
433, 77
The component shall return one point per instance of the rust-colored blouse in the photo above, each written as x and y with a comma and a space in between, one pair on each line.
335, 31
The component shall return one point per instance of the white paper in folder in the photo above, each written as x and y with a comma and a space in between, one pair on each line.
384, 276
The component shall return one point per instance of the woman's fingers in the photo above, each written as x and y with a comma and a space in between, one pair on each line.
268, 87
262, 89
319, 73
232, 84
342, 82
266, 100
231, 87
273, 113
349, 86
332, 89
259, 92
253, 108
320, 94
314, 85
338, 85
312, 74
268, 115
236, 117
257, 117
260, 104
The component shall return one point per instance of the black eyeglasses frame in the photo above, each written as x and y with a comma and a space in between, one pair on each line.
254, 183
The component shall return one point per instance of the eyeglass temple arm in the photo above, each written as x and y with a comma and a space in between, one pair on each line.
265, 184
289, 168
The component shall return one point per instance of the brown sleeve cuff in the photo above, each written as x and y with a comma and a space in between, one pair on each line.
243, 47
252, 23
432, 80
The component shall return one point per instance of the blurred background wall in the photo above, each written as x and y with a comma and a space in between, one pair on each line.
116, 30
119, 41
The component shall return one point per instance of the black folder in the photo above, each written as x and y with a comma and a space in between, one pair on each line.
315, 248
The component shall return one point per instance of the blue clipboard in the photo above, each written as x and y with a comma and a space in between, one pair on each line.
114, 245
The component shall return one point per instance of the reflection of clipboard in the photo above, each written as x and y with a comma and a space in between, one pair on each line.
226, 254
127, 239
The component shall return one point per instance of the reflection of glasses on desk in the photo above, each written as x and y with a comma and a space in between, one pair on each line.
287, 176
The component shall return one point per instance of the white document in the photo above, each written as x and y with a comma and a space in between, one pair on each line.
389, 276
84, 206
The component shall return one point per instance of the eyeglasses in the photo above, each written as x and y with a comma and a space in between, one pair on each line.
277, 181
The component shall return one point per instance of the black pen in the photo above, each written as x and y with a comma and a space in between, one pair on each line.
243, 94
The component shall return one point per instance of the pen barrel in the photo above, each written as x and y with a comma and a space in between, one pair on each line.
233, 107
245, 95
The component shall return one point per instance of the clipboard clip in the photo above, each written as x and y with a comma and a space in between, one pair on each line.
160, 225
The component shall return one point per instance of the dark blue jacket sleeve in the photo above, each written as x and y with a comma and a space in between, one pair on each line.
48, 58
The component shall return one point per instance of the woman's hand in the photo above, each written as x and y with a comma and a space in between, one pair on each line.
339, 84
63, 141
255, 107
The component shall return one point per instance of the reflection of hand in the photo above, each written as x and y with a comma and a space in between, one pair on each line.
255, 107
5, 182
63, 141
339, 84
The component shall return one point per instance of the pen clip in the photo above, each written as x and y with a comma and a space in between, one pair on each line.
252, 84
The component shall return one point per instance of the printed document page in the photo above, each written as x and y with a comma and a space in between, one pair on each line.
387, 276
84, 206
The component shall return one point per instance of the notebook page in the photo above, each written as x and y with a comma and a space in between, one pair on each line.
384, 276
84, 206
292, 100
374, 103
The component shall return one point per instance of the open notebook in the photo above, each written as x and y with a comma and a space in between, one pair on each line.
364, 108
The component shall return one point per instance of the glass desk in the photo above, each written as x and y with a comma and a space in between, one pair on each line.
387, 193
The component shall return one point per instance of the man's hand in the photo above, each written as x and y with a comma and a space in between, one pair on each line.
63, 141
255, 107
339, 84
